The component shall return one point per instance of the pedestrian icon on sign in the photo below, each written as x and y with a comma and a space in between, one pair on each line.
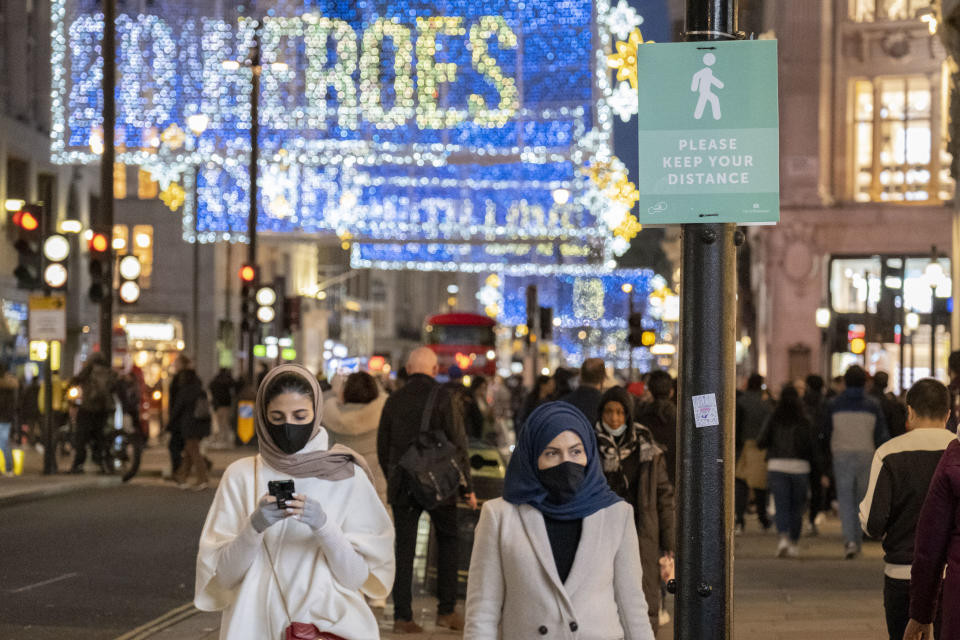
704, 81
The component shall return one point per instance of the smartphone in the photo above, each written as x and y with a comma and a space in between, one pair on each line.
282, 490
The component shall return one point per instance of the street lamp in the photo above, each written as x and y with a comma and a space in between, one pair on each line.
934, 276
252, 61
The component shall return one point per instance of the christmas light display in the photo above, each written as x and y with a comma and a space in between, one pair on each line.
408, 120
592, 310
514, 258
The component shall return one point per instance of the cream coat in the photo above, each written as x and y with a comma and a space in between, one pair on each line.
515, 593
253, 609
355, 425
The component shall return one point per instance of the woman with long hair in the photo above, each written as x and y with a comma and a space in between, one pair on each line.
309, 561
790, 442
558, 554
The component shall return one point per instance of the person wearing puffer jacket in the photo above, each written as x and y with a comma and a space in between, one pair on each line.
353, 421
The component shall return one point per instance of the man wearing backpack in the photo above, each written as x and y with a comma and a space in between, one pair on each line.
400, 426
97, 383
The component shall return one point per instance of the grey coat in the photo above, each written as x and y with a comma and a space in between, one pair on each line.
515, 593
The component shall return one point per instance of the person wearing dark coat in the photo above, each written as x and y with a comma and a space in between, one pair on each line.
792, 454
190, 417
586, 396
660, 416
399, 428
221, 394
636, 469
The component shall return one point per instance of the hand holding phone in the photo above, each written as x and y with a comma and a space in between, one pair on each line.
282, 490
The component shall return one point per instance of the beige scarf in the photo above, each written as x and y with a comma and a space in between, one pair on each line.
335, 463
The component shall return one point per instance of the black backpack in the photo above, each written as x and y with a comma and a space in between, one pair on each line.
430, 464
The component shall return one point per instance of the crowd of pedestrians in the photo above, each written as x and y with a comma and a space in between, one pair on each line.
592, 466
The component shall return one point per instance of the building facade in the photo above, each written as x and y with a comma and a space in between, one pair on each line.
866, 195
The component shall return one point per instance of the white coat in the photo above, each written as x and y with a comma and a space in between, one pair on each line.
514, 591
254, 609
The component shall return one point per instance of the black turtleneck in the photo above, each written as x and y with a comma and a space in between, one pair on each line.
564, 538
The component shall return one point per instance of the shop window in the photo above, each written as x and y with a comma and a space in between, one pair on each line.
894, 142
885, 10
119, 180
142, 247
855, 285
139, 242
147, 188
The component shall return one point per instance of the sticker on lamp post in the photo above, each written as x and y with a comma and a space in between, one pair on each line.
708, 133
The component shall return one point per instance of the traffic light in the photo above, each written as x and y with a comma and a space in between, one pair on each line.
635, 337
129, 279
56, 249
99, 249
29, 237
266, 298
248, 306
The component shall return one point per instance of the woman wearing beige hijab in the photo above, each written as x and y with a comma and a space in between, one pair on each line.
311, 562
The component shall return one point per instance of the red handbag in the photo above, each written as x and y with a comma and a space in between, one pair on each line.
307, 631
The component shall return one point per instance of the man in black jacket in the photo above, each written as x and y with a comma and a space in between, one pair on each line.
899, 478
586, 396
399, 427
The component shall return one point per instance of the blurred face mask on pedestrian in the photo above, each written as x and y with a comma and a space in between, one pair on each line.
290, 421
562, 466
614, 418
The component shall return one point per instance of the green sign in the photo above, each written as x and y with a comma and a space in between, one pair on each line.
709, 132
260, 350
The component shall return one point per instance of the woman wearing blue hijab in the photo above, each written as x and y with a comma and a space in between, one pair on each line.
559, 542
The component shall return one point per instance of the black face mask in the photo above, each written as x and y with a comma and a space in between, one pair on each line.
562, 481
290, 438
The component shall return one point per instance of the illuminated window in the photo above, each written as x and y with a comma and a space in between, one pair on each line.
121, 239
119, 180
147, 187
142, 247
881, 10
893, 139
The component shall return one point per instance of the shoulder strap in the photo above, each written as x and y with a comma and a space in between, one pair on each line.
273, 569
428, 411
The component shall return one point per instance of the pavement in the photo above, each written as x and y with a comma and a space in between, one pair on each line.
32, 484
818, 595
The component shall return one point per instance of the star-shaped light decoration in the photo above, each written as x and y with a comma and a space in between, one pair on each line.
622, 19
624, 101
629, 228
625, 59
173, 136
173, 196
624, 192
163, 173
619, 246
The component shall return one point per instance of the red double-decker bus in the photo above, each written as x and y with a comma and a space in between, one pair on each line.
464, 339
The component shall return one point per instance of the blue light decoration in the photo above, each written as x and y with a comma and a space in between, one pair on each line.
429, 120
592, 310
516, 258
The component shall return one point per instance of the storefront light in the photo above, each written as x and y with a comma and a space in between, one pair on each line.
823, 317
70, 226
912, 321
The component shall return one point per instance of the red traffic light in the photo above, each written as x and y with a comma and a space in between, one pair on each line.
248, 273
26, 220
98, 243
